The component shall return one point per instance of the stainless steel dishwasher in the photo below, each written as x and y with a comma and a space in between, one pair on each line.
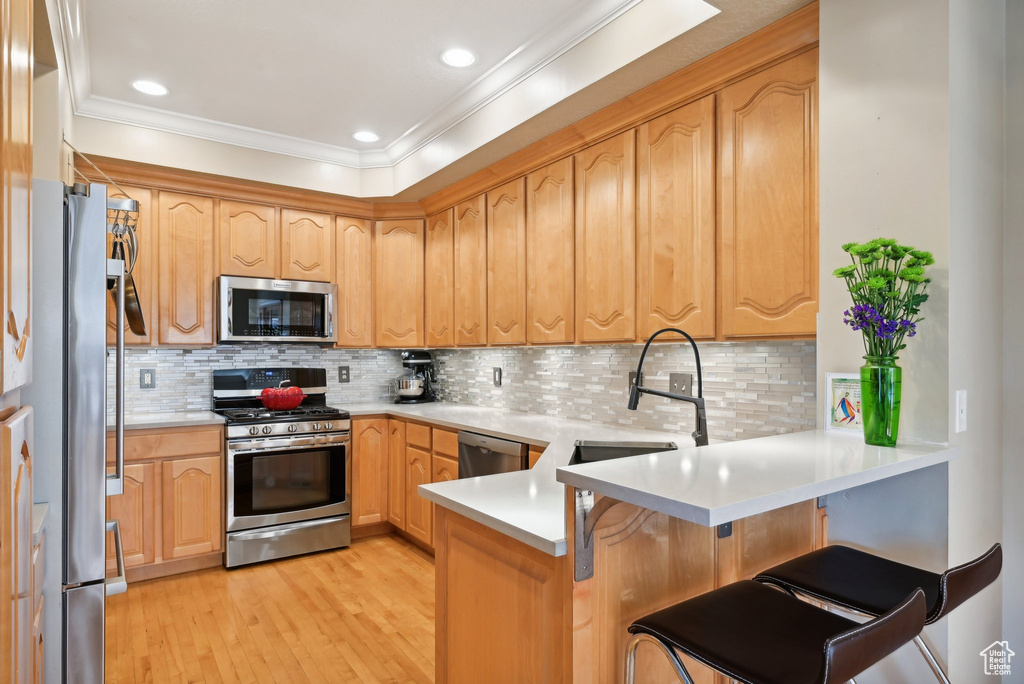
483, 455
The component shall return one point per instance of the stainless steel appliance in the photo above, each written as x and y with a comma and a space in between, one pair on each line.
265, 310
289, 474
416, 386
71, 382
485, 455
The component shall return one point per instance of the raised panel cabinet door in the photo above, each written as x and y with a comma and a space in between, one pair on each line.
248, 237
16, 463
144, 271
439, 289
506, 264
398, 283
192, 506
186, 269
443, 470
419, 512
605, 241
307, 246
675, 221
768, 194
353, 239
396, 473
135, 509
550, 255
16, 196
471, 273
369, 471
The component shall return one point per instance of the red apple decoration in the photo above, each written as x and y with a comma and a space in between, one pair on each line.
282, 398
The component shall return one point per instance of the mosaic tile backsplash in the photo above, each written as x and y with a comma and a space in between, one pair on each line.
753, 389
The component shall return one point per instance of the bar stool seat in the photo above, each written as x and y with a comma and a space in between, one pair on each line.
759, 635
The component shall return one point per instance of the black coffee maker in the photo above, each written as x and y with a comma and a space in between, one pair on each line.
416, 385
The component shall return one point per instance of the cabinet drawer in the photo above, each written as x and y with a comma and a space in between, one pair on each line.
418, 435
446, 442
150, 444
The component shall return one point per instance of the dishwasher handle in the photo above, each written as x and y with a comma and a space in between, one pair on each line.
495, 444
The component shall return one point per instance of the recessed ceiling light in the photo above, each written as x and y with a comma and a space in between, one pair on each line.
457, 57
366, 136
150, 88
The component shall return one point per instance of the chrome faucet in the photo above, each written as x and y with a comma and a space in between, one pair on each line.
700, 435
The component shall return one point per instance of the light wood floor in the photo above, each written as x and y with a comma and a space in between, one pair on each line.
361, 614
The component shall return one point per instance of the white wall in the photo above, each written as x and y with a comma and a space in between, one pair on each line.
1013, 334
977, 86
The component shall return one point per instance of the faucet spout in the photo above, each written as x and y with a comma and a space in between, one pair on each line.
700, 435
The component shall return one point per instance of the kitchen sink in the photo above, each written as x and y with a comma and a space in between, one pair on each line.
589, 451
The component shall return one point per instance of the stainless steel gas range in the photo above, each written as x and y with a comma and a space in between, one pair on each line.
289, 473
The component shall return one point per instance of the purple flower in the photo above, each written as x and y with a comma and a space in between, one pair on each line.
866, 317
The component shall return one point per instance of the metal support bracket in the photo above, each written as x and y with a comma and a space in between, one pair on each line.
724, 530
587, 515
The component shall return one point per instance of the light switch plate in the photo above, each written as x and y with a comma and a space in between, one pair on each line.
681, 383
147, 378
497, 376
343, 374
961, 410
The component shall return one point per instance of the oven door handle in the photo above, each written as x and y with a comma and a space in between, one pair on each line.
289, 444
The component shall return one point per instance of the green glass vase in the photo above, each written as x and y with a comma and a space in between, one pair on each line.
881, 384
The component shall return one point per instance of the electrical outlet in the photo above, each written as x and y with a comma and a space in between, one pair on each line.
961, 410
147, 378
632, 378
681, 383
343, 374
497, 375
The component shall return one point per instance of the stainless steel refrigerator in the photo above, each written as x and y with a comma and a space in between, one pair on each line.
70, 290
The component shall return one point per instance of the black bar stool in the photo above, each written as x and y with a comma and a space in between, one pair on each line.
759, 635
863, 583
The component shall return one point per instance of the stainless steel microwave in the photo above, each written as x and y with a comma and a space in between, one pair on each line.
266, 310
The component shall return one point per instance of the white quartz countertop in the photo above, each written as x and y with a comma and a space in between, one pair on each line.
171, 419
723, 482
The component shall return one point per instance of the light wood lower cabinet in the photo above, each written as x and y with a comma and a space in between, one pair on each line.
396, 473
172, 509
445, 469
16, 463
369, 471
418, 511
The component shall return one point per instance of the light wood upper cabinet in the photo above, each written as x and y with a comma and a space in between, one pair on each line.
419, 511
506, 264
307, 246
369, 471
136, 509
186, 269
396, 473
675, 221
768, 191
248, 237
144, 272
16, 464
353, 239
471, 273
192, 506
550, 255
398, 279
16, 192
605, 241
439, 295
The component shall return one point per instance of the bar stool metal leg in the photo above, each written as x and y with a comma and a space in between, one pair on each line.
930, 658
635, 641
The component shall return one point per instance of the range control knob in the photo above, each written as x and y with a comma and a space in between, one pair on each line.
328, 426
254, 430
293, 428
316, 426
267, 429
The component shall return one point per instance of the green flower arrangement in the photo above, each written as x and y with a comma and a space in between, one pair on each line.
887, 284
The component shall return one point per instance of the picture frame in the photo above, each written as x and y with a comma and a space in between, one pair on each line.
843, 402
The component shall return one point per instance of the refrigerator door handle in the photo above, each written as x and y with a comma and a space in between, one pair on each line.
115, 482
119, 584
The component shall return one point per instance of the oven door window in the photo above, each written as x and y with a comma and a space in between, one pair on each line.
286, 481
260, 313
